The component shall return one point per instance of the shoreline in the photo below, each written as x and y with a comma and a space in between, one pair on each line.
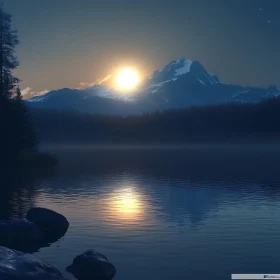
44, 147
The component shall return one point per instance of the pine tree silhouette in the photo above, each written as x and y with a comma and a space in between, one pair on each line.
16, 134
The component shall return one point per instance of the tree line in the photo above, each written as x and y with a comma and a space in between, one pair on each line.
228, 122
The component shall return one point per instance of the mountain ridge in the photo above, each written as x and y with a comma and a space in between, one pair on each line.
180, 84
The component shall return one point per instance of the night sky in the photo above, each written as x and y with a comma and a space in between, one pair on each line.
66, 42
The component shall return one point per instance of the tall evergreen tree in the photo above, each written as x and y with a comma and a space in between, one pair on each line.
16, 134
8, 60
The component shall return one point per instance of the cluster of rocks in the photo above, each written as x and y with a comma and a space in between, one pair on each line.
41, 227
38, 229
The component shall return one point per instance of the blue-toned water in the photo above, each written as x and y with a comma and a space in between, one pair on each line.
162, 213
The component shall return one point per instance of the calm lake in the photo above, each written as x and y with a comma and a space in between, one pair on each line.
198, 212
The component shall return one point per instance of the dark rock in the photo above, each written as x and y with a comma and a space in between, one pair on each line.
92, 265
53, 225
15, 265
20, 234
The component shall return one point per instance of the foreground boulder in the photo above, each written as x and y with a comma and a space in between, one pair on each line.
52, 224
15, 265
20, 234
92, 265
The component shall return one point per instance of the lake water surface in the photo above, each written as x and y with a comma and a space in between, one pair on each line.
161, 213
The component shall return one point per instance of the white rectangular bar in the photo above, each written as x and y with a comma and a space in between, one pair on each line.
255, 276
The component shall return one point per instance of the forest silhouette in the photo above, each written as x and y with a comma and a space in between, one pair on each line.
217, 123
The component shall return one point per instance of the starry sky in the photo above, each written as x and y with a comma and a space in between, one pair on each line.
68, 42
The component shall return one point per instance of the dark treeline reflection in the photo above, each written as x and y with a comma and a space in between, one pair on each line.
18, 191
229, 122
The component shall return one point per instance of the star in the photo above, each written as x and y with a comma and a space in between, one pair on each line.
268, 21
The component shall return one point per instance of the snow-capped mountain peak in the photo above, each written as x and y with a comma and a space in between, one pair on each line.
180, 69
171, 70
186, 67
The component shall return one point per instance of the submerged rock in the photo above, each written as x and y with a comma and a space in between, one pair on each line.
52, 224
20, 234
92, 265
15, 265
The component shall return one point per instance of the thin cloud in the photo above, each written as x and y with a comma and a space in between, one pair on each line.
84, 85
30, 92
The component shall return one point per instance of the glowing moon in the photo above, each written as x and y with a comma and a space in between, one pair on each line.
127, 79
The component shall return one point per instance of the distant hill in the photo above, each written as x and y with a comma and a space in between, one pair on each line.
180, 84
